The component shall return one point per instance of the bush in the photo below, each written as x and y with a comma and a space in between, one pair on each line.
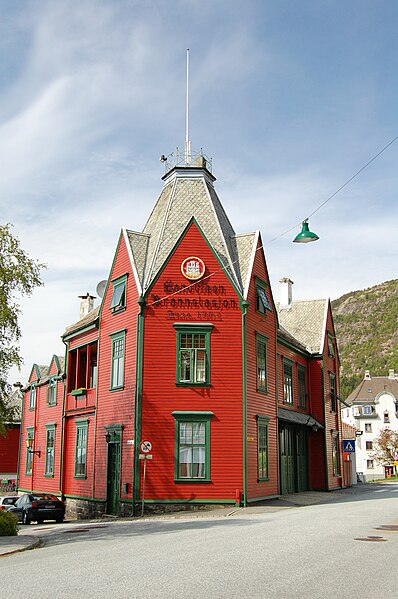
8, 524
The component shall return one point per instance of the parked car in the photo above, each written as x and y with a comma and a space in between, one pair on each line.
38, 507
6, 501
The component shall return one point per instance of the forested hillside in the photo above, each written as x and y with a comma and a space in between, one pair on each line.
367, 333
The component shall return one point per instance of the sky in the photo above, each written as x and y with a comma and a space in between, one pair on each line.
289, 99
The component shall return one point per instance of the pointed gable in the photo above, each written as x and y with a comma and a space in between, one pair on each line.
306, 320
36, 373
57, 365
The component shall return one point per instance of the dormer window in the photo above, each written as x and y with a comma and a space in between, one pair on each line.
331, 351
118, 301
32, 397
52, 392
262, 303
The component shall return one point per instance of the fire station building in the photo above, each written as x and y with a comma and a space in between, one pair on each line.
187, 371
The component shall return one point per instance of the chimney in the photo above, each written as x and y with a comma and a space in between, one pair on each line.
86, 304
286, 292
391, 374
367, 375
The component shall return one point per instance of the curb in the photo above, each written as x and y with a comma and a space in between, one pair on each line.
34, 545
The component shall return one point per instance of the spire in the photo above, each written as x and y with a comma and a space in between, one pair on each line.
187, 140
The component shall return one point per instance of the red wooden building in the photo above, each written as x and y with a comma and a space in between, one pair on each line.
237, 396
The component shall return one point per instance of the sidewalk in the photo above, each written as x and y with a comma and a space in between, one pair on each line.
10, 545
24, 542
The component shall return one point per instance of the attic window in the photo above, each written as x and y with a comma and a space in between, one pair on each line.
262, 303
331, 346
118, 301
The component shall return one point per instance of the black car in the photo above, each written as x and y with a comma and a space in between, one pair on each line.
38, 507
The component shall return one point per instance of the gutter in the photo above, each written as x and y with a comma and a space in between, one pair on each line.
138, 403
245, 305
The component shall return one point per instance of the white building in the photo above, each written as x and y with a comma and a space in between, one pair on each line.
373, 407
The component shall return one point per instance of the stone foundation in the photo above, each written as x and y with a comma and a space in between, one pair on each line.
83, 509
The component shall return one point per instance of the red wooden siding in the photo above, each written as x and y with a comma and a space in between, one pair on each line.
161, 396
117, 407
42, 415
9, 447
258, 403
333, 419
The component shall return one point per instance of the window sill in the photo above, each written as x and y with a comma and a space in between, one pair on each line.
118, 310
114, 389
262, 391
192, 480
263, 480
80, 477
179, 384
49, 476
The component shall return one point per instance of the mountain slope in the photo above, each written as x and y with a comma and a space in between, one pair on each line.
367, 333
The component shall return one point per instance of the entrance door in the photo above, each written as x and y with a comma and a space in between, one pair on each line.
302, 460
293, 459
113, 478
287, 458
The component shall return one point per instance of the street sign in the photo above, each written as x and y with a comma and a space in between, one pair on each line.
349, 445
145, 446
145, 456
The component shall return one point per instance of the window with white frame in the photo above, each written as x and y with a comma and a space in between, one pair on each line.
52, 392
193, 354
287, 381
192, 443
117, 364
50, 445
32, 397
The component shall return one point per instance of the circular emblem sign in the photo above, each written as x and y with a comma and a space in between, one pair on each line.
193, 268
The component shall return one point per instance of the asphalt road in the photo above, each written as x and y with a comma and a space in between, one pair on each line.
307, 552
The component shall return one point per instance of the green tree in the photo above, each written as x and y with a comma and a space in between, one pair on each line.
386, 447
19, 275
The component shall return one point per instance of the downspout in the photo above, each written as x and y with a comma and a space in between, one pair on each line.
20, 441
277, 419
95, 415
326, 425
138, 402
245, 306
63, 421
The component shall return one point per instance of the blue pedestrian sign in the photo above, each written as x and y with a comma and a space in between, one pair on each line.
349, 445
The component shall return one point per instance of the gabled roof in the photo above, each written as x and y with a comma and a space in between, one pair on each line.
370, 388
306, 320
89, 319
189, 193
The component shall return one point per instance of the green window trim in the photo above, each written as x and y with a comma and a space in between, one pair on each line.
52, 391
333, 394
50, 450
302, 386
30, 434
192, 447
261, 361
262, 448
81, 449
118, 301
336, 454
288, 395
118, 340
262, 301
32, 397
193, 354
331, 350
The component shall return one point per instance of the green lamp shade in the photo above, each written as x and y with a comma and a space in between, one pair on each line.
306, 235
